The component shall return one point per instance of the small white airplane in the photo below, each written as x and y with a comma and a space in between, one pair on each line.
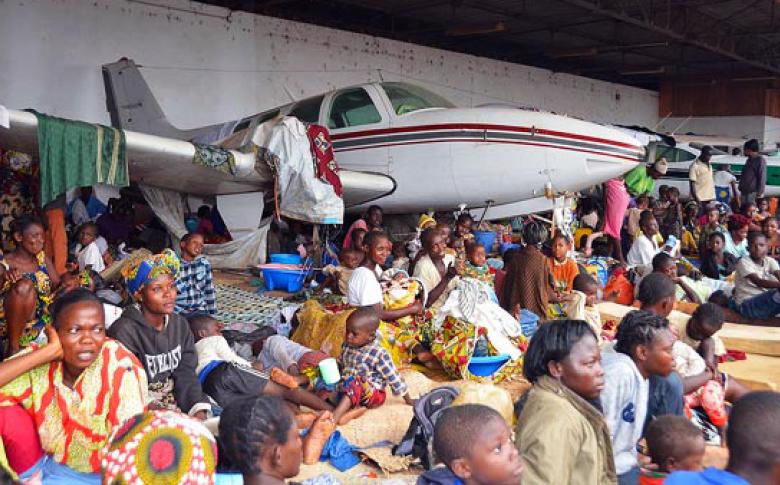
687, 149
398, 144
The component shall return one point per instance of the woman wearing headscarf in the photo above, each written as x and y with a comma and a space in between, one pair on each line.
372, 221
160, 338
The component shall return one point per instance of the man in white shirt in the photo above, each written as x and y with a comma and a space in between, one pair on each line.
701, 178
643, 348
757, 281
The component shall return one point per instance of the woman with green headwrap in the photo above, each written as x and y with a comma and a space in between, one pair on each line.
160, 338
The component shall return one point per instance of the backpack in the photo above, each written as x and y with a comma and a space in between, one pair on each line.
418, 440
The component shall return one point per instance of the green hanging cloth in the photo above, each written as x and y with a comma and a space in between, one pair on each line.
78, 154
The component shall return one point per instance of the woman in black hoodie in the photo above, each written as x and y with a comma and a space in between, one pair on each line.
160, 338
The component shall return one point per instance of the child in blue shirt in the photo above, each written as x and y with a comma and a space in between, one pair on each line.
754, 447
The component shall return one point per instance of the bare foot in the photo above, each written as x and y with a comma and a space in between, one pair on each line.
283, 379
318, 435
305, 420
353, 413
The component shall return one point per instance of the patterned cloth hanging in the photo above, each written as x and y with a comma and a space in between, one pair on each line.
325, 165
214, 157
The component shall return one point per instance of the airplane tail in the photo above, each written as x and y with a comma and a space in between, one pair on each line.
132, 105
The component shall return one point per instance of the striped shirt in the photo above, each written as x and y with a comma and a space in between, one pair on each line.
196, 288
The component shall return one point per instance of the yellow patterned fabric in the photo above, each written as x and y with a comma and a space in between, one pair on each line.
454, 346
317, 325
42, 282
74, 424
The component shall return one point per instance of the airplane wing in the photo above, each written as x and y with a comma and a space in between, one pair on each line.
167, 163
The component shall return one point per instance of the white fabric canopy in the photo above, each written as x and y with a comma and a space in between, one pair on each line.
168, 206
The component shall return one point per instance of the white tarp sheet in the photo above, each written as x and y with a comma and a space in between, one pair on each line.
248, 250
302, 195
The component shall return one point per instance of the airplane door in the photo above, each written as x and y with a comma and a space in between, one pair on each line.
356, 118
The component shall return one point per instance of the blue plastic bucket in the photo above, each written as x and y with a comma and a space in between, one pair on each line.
486, 239
487, 366
289, 280
528, 322
281, 258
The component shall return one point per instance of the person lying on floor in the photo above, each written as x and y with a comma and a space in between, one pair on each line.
226, 376
160, 338
59, 403
297, 360
758, 280
195, 283
367, 368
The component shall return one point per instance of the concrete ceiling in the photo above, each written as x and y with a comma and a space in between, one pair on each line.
636, 42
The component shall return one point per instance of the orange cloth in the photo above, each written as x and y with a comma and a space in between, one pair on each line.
74, 424
563, 273
56, 244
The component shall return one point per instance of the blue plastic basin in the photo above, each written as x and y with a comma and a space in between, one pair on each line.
281, 258
289, 280
487, 366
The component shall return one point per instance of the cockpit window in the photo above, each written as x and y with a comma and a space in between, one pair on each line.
407, 98
672, 155
352, 107
307, 110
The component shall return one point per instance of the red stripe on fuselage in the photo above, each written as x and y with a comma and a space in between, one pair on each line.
560, 147
480, 126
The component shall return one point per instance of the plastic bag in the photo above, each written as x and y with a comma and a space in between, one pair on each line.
495, 397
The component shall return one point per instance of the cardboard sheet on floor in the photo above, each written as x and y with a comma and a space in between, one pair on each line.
747, 338
758, 372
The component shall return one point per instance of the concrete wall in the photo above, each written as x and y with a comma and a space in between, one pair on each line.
206, 64
764, 128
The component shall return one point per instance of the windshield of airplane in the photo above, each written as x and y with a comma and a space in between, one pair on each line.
407, 98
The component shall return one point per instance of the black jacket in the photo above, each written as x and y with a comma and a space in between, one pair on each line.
169, 353
710, 268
